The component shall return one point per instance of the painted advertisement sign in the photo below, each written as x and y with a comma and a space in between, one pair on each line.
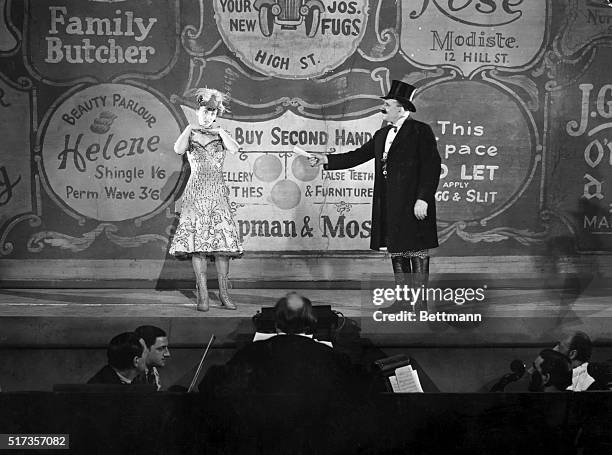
588, 22
100, 40
294, 39
107, 152
487, 153
281, 202
581, 140
15, 175
469, 35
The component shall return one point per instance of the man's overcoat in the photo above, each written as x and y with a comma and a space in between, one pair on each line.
413, 172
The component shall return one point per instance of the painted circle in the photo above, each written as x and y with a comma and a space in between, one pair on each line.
485, 144
302, 170
285, 194
267, 168
107, 152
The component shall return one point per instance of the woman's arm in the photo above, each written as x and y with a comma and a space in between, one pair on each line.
182, 143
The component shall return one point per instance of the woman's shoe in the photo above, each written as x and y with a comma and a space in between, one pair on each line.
223, 294
202, 300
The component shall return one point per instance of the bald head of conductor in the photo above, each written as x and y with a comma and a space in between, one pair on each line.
294, 315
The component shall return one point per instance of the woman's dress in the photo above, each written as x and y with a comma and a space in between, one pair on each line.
206, 223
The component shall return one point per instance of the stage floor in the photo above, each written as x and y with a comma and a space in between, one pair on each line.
148, 302
86, 317
52, 336
181, 303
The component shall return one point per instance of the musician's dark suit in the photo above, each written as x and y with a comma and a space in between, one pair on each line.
288, 390
106, 375
413, 172
284, 364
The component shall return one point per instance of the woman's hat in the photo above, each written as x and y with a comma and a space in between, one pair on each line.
210, 98
403, 92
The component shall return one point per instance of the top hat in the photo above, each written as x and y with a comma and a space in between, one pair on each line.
403, 92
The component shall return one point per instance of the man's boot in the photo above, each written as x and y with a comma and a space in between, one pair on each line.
402, 274
420, 280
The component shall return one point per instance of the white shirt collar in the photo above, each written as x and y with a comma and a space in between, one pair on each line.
581, 379
401, 120
123, 378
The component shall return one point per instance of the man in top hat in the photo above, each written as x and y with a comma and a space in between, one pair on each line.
407, 172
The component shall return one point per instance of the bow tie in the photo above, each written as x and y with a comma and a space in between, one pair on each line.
394, 128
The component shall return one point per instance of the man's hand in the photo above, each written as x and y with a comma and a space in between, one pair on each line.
420, 209
317, 159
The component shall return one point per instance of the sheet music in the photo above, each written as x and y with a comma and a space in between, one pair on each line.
415, 375
407, 380
394, 385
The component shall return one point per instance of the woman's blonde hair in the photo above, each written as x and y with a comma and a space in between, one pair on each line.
210, 97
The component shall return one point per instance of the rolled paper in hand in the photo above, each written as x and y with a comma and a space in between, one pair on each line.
300, 151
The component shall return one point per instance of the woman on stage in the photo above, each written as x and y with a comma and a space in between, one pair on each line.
206, 227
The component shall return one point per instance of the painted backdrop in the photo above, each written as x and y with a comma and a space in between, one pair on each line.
93, 95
